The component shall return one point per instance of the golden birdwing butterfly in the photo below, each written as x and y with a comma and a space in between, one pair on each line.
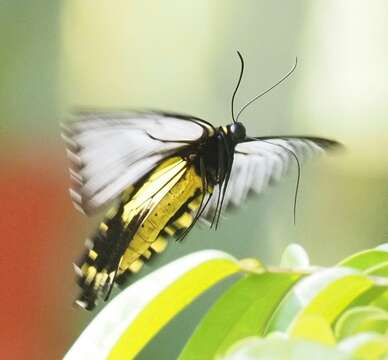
157, 174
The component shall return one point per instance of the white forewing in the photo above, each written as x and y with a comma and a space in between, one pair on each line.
257, 164
111, 152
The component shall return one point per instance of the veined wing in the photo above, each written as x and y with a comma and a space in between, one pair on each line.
110, 152
262, 161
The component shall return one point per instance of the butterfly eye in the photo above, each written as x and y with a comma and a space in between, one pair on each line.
237, 130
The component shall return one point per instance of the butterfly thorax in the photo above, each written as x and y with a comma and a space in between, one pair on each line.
218, 152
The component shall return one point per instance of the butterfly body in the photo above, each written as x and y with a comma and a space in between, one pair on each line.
164, 172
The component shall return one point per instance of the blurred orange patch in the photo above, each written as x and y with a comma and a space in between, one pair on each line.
36, 255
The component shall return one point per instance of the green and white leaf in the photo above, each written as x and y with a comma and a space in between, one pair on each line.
146, 306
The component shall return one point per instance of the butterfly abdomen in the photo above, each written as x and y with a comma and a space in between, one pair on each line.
161, 222
139, 227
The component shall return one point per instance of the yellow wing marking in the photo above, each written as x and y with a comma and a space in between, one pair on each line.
184, 221
90, 274
136, 266
166, 191
194, 205
103, 227
158, 184
93, 255
159, 245
169, 230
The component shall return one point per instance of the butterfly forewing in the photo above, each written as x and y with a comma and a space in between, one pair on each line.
111, 152
263, 161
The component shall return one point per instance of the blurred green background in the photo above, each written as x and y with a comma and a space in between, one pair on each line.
181, 56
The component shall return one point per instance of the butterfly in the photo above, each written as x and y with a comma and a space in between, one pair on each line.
158, 174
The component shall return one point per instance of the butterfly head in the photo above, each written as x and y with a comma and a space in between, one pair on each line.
237, 132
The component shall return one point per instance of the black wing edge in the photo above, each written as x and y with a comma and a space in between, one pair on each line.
323, 142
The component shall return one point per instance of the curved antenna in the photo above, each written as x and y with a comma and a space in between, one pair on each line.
238, 83
292, 153
298, 176
264, 92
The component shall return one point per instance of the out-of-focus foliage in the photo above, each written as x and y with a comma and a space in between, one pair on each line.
133, 318
293, 312
284, 349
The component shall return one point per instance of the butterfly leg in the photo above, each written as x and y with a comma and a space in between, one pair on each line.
229, 156
221, 171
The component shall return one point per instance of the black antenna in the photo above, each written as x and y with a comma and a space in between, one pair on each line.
298, 177
292, 153
238, 83
264, 92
